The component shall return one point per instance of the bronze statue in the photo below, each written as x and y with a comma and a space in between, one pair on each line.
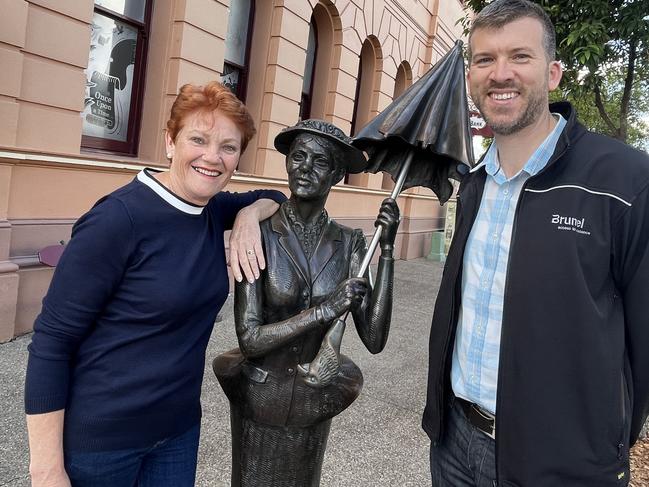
287, 379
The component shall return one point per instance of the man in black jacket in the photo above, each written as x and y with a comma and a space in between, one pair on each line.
539, 361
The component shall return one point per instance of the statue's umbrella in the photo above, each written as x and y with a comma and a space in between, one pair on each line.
423, 138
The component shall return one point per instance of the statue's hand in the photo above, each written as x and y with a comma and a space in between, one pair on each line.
349, 292
388, 220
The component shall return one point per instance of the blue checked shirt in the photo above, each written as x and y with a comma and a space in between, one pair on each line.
474, 371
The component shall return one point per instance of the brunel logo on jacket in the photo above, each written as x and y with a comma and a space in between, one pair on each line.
570, 223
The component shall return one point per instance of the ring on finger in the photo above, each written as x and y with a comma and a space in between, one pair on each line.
250, 252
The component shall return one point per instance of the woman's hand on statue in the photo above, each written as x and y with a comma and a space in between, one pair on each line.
246, 251
388, 220
348, 293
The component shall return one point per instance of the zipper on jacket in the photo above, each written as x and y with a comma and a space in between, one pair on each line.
441, 402
507, 284
457, 280
440, 393
623, 400
502, 329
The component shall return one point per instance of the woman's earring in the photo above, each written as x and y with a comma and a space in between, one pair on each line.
169, 155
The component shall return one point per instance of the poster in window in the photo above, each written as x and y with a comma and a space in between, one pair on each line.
109, 79
231, 78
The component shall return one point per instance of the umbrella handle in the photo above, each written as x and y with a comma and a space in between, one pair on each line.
374, 243
403, 173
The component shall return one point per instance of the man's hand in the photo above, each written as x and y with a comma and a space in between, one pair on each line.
246, 251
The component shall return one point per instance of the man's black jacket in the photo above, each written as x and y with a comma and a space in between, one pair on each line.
573, 381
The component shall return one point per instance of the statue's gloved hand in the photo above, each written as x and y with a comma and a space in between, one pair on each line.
388, 220
349, 292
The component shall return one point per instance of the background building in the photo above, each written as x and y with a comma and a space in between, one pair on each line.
86, 88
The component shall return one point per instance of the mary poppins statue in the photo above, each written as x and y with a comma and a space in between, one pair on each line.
287, 379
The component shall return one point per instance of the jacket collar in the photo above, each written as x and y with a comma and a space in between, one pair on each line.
326, 248
570, 132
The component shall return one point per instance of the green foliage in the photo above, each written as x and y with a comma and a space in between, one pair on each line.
604, 49
637, 116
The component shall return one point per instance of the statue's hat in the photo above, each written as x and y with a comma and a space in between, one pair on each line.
353, 159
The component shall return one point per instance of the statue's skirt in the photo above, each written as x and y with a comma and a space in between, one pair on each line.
280, 425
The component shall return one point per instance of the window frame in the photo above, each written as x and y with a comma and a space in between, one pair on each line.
352, 129
130, 146
307, 98
242, 88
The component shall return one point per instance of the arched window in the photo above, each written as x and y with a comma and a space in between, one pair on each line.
365, 106
403, 79
401, 83
237, 46
309, 71
364, 87
323, 47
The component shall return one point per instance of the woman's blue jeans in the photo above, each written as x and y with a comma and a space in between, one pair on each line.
168, 463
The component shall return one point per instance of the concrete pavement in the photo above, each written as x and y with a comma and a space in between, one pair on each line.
376, 442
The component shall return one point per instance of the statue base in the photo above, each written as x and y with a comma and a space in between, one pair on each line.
278, 456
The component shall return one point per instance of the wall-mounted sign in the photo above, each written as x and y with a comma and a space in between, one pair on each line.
478, 125
477, 122
449, 225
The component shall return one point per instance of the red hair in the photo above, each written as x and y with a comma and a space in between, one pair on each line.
212, 96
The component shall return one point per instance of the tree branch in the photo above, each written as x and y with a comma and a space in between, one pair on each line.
602, 111
628, 88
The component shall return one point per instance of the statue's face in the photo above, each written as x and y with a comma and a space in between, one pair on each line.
311, 168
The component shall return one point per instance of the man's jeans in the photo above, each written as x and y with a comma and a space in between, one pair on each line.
168, 463
466, 457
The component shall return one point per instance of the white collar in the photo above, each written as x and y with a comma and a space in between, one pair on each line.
145, 176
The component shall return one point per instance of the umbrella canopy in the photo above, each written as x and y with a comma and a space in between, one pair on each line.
431, 118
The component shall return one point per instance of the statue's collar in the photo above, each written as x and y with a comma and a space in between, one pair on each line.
307, 233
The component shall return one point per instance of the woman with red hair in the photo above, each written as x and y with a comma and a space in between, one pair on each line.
112, 393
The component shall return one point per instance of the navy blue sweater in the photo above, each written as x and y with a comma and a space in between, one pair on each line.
120, 342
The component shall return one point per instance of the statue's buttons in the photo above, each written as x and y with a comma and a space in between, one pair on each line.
305, 293
290, 370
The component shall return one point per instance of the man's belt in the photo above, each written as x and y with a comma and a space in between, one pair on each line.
478, 417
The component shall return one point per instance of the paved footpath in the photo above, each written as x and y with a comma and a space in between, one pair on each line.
376, 442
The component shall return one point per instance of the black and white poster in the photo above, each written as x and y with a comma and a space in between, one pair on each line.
109, 79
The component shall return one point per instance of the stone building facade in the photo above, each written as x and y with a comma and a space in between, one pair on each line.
86, 87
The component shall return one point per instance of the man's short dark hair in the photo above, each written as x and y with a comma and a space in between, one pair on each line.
502, 12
